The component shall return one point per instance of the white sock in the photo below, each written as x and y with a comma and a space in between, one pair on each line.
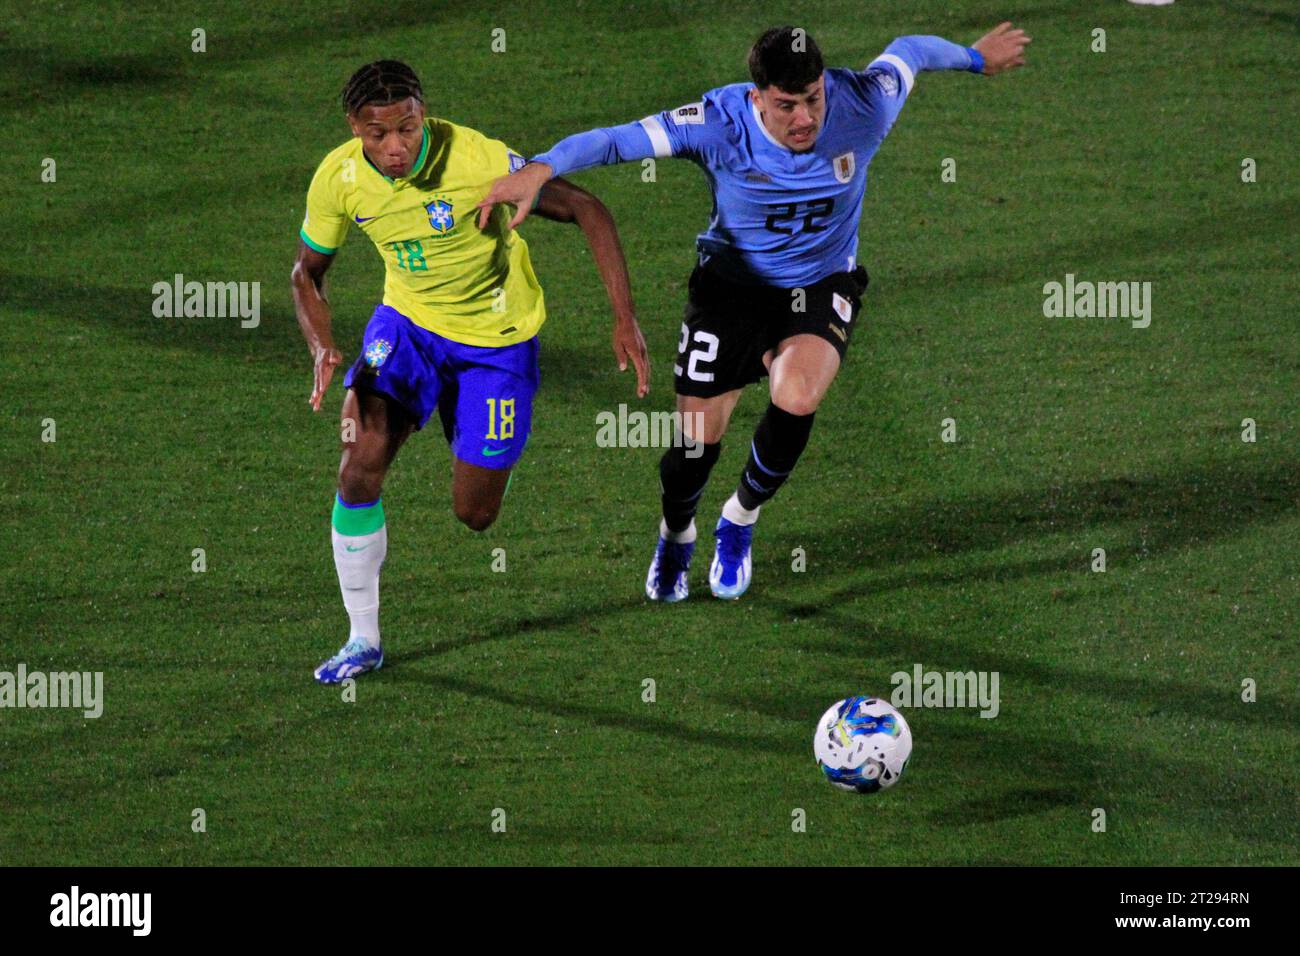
358, 559
685, 536
737, 513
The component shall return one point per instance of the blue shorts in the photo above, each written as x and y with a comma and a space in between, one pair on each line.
484, 395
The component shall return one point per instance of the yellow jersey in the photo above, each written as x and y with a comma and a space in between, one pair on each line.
441, 271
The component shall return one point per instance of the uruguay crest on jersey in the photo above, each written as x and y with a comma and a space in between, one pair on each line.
844, 167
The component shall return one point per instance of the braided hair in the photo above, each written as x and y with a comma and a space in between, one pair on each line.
381, 83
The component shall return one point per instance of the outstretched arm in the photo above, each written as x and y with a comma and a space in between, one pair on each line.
676, 132
596, 147
561, 201
888, 79
1001, 49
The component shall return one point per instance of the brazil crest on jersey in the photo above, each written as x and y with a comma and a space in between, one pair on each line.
442, 272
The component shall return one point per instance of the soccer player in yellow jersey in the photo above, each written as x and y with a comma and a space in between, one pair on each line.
457, 330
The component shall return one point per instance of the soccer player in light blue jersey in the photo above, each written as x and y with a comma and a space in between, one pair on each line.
777, 287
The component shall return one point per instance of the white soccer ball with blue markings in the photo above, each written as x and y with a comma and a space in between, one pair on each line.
862, 744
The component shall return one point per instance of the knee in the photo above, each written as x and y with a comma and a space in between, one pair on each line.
474, 516
802, 399
357, 482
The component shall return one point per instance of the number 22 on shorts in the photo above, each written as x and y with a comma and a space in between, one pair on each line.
705, 355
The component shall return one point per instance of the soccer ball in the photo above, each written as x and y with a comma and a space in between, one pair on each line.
862, 744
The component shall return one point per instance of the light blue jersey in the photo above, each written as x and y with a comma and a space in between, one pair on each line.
780, 218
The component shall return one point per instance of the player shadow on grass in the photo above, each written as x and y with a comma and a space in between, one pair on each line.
1159, 514
1143, 518
973, 276
570, 709
1043, 773
541, 623
729, 740
62, 72
1009, 804
56, 76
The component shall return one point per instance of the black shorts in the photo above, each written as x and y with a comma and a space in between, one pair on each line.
729, 326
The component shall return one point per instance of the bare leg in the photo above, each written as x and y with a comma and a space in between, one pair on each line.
379, 427
802, 372
476, 493
713, 414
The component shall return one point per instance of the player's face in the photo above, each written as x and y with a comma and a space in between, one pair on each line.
793, 119
391, 135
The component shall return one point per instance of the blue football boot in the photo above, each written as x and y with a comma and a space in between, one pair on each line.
667, 578
354, 658
729, 573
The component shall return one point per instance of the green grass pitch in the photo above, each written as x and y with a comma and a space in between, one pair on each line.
522, 690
